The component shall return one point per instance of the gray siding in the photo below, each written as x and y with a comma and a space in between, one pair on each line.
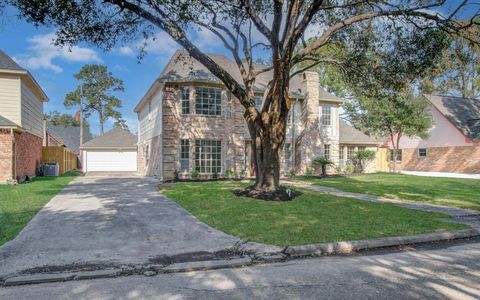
32, 111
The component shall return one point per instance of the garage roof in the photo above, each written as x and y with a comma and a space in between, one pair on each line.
117, 138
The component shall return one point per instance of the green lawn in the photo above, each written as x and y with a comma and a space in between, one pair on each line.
454, 192
312, 217
18, 204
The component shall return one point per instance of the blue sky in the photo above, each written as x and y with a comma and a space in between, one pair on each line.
54, 67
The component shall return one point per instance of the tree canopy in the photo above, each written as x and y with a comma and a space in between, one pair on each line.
96, 92
55, 118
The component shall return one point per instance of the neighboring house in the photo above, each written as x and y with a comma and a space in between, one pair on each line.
353, 140
21, 121
188, 121
114, 151
454, 141
70, 136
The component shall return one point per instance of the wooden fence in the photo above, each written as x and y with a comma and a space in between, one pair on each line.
66, 159
383, 160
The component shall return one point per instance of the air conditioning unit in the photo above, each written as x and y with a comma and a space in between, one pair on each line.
51, 169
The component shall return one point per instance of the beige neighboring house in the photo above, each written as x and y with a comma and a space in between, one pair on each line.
454, 142
189, 121
21, 121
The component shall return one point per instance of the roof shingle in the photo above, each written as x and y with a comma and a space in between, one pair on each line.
71, 136
7, 63
464, 113
6, 122
350, 135
115, 138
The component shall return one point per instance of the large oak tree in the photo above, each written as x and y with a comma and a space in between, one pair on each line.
247, 29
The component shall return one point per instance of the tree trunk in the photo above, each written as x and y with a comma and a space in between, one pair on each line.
267, 141
101, 123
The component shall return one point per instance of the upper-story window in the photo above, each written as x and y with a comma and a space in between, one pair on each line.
326, 115
326, 151
186, 100
258, 102
208, 101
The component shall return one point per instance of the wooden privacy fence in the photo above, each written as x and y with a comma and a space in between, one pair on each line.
66, 159
382, 160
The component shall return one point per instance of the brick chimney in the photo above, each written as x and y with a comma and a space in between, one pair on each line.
310, 85
77, 117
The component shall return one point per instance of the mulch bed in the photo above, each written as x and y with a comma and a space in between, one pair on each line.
283, 194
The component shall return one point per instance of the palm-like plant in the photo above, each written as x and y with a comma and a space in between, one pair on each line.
323, 163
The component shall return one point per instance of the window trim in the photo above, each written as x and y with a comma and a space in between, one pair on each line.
199, 162
200, 105
399, 153
422, 156
324, 115
184, 156
326, 151
186, 100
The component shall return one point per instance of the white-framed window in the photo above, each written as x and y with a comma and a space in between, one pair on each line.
208, 101
184, 155
208, 156
350, 152
422, 152
399, 155
146, 151
288, 156
326, 115
362, 148
185, 100
258, 102
326, 151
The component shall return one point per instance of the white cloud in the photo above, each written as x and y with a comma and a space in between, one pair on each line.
126, 50
161, 43
42, 52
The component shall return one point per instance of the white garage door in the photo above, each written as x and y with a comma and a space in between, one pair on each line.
111, 161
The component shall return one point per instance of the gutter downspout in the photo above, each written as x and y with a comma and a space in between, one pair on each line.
14, 148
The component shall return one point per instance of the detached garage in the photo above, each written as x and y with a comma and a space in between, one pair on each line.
114, 151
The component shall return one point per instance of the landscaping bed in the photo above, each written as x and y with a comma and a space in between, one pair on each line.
453, 192
310, 218
20, 203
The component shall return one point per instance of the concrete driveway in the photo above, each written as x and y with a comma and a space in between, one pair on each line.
104, 220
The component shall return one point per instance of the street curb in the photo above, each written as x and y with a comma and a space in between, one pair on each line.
207, 265
353, 246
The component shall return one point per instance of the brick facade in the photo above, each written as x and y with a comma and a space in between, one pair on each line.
21, 158
228, 128
6, 155
461, 159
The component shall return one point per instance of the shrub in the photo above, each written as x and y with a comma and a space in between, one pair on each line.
309, 172
176, 176
229, 173
195, 175
361, 159
215, 175
323, 163
291, 173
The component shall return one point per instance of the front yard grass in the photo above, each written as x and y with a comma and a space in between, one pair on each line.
453, 192
310, 218
20, 203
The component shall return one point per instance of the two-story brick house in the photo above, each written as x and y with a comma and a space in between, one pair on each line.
188, 121
21, 121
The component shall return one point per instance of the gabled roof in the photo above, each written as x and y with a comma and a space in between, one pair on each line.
4, 122
184, 68
464, 113
351, 135
117, 138
7, 63
71, 135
